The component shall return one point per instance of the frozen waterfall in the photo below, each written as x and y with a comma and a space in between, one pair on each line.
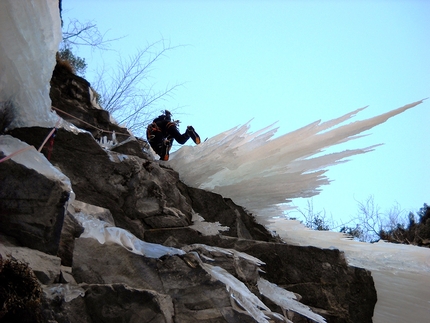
30, 32
276, 170
264, 174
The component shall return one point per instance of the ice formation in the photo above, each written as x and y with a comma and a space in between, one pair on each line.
278, 170
253, 306
264, 174
239, 292
242, 295
202, 248
287, 300
104, 232
30, 32
206, 228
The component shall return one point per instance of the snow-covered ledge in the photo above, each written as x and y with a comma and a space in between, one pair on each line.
30, 32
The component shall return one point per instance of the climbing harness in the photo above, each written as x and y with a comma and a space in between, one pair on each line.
151, 130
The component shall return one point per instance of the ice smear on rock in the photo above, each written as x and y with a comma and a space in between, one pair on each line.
68, 292
253, 306
217, 250
239, 292
206, 228
286, 300
264, 174
104, 232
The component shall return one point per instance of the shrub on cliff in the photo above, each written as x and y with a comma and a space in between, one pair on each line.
20, 292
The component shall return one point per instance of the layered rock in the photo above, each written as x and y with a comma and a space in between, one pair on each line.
196, 275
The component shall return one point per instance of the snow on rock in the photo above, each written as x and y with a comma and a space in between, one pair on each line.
33, 196
30, 32
31, 158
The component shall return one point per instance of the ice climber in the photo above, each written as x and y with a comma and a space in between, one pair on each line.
162, 131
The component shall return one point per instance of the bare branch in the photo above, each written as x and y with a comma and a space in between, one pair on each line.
129, 94
316, 220
85, 34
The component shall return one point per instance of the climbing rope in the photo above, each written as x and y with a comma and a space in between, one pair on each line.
51, 136
88, 124
15, 153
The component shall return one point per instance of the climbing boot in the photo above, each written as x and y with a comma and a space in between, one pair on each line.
193, 134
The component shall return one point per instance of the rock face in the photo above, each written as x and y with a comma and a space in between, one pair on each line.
86, 281
73, 100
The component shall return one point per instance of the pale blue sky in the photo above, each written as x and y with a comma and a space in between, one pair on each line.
294, 62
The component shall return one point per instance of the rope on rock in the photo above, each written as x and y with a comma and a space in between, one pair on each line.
88, 124
15, 153
51, 136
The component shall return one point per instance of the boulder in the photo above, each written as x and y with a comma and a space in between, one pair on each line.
194, 295
32, 206
109, 303
47, 268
